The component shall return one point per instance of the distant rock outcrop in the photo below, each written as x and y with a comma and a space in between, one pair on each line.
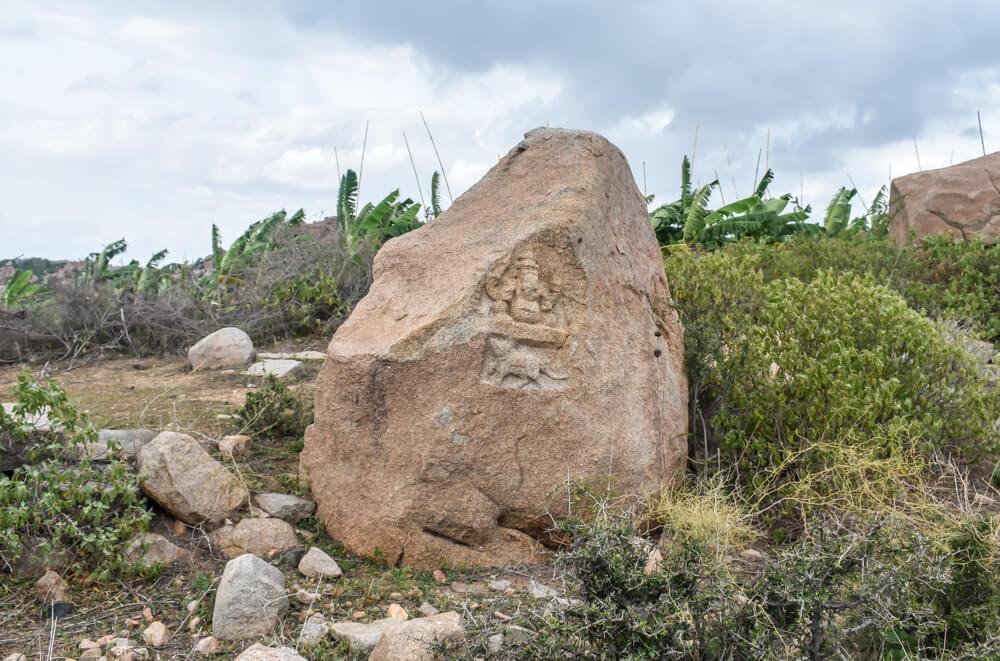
962, 200
522, 340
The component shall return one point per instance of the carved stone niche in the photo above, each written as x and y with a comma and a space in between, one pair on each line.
531, 300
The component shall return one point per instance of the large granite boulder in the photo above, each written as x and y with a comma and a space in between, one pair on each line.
521, 341
962, 200
225, 348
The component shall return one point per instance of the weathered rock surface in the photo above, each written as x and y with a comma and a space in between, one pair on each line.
363, 636
523, 338
225, 348
285, 506
250, 601
415, 640
265, 538
150, 549
298, 355
962, 200
52, 588
279, 368
259, 652
186, 481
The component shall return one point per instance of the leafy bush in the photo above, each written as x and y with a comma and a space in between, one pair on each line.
273, 410
780, 370
878, 588
56, 502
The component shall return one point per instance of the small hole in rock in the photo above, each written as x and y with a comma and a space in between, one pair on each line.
657, 353
658, 334
580, 240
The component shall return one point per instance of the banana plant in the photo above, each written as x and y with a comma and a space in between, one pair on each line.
372, 223
689, 220
434, 210
97, 266
874, 221
19, 289
261, 236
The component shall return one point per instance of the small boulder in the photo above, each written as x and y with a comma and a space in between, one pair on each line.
186, 481
317, 564
397, 611
416, 640
258, 652
231, 446
361, 636
285, 506
15, 657
156, 634
279, 369
314, 631
207, 646
52, 588
225, 348
151, 549
264, 538
250, 600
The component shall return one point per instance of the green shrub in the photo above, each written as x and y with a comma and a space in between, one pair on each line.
57, 502
274, 411
781, 368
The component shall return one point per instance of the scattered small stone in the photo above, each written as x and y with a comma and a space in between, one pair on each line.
361, 636
314, 631
262, 537
307, 598
654, 562
416, 640
133, 622
396, 596
541, 591
500, 615
397, 611
495, 643
440, 576
500, 585
427, 610
151, 549
206, 646
15, 657
193, 623
250, 600
192, 605
92, 653
232, 446
358, 615
156, 634
109, 639
285, 506
278, 368
258, 652
88, 644
316, 563
294, 556
224, 416
519, 634
52, 588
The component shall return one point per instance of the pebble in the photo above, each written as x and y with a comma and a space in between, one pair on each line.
500, 586
427, 610
396, 611
206, 646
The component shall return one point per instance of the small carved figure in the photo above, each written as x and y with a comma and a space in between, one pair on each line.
508, 363
522, 293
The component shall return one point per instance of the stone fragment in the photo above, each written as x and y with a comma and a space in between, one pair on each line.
152, 549
298, 355
427, 610
233, 446
397, 611
541, 591
259, 652
961, 200
360, 636
449, 418
316, 563
279, 369
156, 634
184, 479
264, 538
314, 631
225, 348
15, 657
52, 588
250, 600
494, 643
415, 640
129, 441
285, 506
207, 646
500, 585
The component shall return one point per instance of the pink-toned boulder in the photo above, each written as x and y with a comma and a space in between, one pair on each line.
962, 200
522, 341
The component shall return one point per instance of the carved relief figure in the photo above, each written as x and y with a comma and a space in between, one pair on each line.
523, 351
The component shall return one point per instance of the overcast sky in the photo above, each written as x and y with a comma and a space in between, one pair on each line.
153, 120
